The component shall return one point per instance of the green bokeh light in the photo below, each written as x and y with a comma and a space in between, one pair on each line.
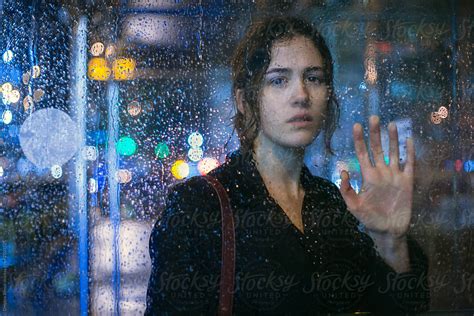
126, 146
354, 164
162, 150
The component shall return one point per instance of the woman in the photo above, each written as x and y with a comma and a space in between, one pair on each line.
299, 244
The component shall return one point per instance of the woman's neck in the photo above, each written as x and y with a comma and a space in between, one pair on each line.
280, 167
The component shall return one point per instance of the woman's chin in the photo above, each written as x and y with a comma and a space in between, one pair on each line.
299, 143
302, 141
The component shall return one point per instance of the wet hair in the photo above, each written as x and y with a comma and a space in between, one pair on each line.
250, 62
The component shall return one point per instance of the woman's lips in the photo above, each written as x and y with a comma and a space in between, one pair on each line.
300, 117
301, 123
301, 120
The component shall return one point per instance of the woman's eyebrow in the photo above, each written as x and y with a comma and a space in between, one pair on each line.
278, 70
312, 69
287, 70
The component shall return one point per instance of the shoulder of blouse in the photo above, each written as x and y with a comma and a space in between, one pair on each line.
192, 195
192, 205
196, 198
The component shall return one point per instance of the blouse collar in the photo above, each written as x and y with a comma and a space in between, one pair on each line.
245, 166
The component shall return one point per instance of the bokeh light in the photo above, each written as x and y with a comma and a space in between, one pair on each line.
124, 68
28, 102
93, 186
110, 51
97, 49
7, 88
49, 136
195, 154
56, 171
7, 56
97, 69
195, 139
126, 146
36, 71
38, 94
353, 164
134, 108
25, 78
458, 165
124, 176
443, 112
14, 96
469, 165
435, 118
206, 165
162, 150
7, 116
180, 169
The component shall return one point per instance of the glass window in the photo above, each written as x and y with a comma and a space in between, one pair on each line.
108, 104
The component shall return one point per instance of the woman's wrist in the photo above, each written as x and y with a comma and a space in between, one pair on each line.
393, 249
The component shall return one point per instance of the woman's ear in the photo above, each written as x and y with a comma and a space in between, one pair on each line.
240, 100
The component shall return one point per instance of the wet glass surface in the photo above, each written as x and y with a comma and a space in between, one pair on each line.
105, 106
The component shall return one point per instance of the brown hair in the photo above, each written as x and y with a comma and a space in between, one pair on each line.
250, 62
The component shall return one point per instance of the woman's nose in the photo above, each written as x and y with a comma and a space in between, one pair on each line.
300, 93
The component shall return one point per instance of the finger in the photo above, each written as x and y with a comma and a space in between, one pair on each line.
394, 151
410, 163
361, 148
375, 140
349, 195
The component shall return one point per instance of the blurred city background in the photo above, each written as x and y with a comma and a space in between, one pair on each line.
106, 104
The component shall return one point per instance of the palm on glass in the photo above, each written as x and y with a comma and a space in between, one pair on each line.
384, 203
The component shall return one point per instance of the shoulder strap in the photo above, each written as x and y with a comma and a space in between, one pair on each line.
226, 293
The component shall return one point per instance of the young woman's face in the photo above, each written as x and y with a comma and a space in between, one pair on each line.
294, 96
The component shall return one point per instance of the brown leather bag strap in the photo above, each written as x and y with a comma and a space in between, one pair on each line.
226, 293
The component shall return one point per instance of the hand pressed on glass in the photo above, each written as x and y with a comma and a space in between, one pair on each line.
384, 204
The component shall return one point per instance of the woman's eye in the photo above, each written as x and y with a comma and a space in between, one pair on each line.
278, 81
315, 79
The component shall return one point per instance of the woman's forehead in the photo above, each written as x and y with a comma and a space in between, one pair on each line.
297, 52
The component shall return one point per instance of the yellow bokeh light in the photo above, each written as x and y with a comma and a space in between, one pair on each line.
97, 69
124, 68
180, 169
